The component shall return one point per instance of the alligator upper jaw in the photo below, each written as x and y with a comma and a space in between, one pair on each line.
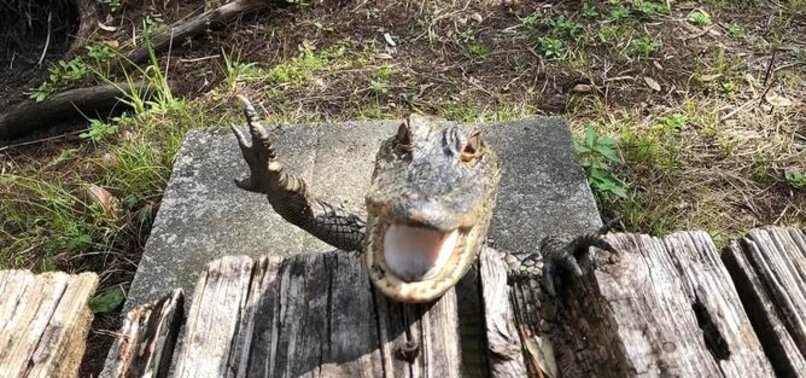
416, 264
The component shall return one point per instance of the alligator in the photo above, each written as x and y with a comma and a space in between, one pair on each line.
429, 206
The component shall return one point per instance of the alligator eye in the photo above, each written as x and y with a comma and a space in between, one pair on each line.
403, 139
473, 147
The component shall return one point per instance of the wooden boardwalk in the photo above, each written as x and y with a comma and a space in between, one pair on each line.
671, 306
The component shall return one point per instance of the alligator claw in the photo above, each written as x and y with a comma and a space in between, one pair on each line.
572, 256
258, 152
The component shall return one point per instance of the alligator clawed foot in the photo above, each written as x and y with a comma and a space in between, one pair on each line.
572, 257
257, 151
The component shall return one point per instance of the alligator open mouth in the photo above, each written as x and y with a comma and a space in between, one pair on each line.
412, 263
417, 253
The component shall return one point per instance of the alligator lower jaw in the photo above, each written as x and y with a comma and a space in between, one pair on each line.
411, 264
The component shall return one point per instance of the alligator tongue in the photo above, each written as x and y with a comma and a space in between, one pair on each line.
416, 253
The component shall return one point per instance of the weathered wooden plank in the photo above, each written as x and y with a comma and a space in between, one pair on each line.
667, 307
312, 315
768, 267
145, 344
44, 320
214, 319
503, 338
320, 317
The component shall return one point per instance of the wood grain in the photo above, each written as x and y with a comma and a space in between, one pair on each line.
666, 307
44, 320
768, 266
145, 344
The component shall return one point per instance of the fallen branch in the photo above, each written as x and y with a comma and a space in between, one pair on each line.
198, 25
29, 116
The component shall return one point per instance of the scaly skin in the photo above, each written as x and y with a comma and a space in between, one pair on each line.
432, 177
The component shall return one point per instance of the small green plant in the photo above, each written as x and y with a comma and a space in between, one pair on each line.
380, 79
674, 122
619, 12
107, 301
643, 46
595, 153
238, 71
567, 27
699, 18
59, 75
551, 48
378, 87
796, 178
735, 30
101, 52
726, 87
98, 130
614, 34
589, 11
529, 21
479, 52
647, 9
384, 72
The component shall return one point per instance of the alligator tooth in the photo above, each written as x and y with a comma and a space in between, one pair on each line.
416, 253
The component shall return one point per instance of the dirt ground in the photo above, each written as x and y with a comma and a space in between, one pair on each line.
702, 104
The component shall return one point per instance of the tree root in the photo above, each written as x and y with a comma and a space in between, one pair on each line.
198, 25
29, 116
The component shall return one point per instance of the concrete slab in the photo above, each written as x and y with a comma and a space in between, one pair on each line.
204, 216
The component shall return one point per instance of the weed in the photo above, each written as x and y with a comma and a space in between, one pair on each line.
60, 75
647, 9
699, 18
299, 70
479, 52
614, 34
643, 46
48, 217
384, 72
371, 112
595, 153
735, 30
795, 178
566, 27
529, 21
236, 71
589, 11
107, 301
98, 130
380, 79
101, 52
378, 87
619, 13
674, 122
551, 48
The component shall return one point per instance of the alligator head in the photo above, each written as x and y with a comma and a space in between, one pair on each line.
429, 206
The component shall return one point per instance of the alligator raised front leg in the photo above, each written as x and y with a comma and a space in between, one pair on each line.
560, 254
288, 194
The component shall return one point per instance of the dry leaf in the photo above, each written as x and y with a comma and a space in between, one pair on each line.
106, 27
707, 78
777, 100
389, 40
102, 197
652, 83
